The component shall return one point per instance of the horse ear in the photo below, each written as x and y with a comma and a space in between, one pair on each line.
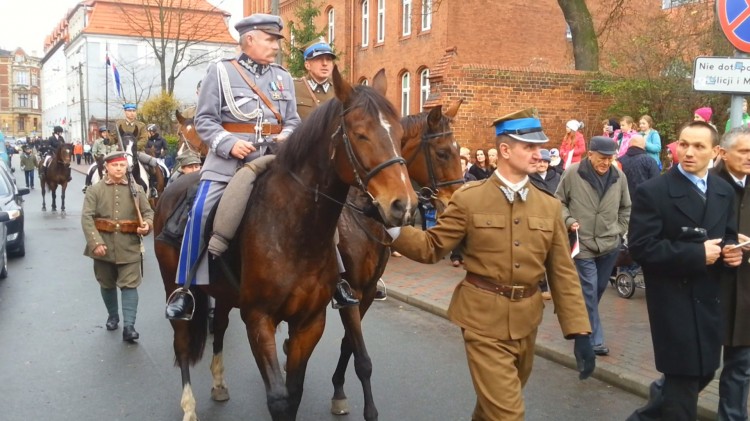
434, 117
453, 108
179, 116
380, 83
343, 88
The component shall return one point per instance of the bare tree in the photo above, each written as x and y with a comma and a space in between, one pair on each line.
171, 28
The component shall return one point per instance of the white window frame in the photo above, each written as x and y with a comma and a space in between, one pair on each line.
22, 77
406, 17
424, 87
426, 15
331, 26
35, 101
405, 94
22, 101
381, 22
365, 23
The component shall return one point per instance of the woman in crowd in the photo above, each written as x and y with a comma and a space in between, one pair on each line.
704, 114
622, 136
492, 157
653, 140
481, 168
573, 145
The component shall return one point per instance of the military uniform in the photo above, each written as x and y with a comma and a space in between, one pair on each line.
128, 127
509, 240
311, 94
109, 218
101, 148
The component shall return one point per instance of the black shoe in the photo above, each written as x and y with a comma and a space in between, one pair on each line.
601, 350
129, 334
343, 297
112, 322
211, 321
180, 305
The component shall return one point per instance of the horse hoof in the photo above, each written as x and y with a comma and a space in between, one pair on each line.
192, 417
339, 406
220, 394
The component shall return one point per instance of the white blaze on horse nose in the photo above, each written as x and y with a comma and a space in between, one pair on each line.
404, 178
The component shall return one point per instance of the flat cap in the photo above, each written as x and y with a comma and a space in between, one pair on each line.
545, 155
523, 125
316, 48
115, 156
270, 24
603, 144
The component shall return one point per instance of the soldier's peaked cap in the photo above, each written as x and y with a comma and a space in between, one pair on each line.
521, 125
317, 48
115, 156
270, 24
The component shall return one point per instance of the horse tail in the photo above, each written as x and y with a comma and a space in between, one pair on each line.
198, 326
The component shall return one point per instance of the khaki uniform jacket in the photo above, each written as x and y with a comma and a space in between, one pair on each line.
29, 161
510, 244
113, 201
130, 128
101, 149
307, 103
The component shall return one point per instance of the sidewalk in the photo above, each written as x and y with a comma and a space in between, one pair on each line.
630, 364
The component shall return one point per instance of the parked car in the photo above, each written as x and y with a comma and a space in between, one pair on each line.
11, 200
5, 218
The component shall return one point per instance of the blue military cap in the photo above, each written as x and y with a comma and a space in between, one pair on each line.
103, 129
270, 24
317, 48
521, 125
128, 106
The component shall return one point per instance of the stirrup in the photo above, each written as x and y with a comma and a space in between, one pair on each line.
186, 292
383, 291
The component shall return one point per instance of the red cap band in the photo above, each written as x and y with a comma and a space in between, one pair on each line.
117, 159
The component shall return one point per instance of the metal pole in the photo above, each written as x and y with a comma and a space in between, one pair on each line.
735, 113
106, 89
84, 133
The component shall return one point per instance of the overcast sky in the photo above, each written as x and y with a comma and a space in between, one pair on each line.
25, 23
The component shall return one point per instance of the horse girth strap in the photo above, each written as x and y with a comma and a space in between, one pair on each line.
257, 91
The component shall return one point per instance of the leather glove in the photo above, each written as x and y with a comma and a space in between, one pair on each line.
585, 358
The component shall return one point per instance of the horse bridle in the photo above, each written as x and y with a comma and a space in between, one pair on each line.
431, 191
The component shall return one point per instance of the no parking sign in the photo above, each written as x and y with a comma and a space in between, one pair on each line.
734, 18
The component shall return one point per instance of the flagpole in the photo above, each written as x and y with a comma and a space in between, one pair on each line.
106, 88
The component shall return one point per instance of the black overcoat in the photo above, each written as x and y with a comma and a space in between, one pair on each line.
682, 293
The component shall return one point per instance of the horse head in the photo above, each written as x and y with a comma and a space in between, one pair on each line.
433, 153
367, 149
188, 136
64, 154
129, 143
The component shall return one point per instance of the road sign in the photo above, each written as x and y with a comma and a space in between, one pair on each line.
734, 18
722, 74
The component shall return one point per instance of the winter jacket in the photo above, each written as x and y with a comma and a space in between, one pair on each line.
638, 167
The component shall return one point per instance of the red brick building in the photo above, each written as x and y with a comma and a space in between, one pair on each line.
499, 56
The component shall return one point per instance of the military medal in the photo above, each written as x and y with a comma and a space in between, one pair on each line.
275, 94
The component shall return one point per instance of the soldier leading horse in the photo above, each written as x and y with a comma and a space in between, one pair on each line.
291, 217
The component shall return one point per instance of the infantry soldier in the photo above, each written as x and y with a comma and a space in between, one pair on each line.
187, 162
315, 88
129, 124
237, 96
512, 234
102, 147
110, 221
28, 163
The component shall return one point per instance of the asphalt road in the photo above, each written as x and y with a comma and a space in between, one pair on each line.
59, 363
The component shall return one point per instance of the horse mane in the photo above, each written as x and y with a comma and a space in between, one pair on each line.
322, 124
414, 124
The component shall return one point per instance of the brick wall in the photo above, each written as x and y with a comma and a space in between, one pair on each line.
493, 91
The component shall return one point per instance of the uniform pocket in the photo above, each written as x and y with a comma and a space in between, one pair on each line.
540, 230
486, 231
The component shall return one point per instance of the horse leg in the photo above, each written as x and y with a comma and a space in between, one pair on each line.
354, 342
53, 191
219, 390
261, 335
181, 352
62, 197
43, 183
339, 402
302, 340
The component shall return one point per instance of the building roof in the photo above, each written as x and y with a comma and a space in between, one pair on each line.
198, 20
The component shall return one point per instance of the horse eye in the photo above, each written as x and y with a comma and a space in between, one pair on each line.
442, 155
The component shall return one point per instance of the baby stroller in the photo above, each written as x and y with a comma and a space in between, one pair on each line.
627, 274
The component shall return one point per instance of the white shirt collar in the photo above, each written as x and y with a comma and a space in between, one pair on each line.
513, 186
740, 181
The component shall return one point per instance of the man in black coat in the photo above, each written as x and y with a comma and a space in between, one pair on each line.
637, 165
545, 178
682, 228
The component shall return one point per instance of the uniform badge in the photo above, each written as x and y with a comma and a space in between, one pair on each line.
276, 95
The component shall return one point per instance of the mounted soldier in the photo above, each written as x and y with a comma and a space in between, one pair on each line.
129, 124
48, 148
315, 87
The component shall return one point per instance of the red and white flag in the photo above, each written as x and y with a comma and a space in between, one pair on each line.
576, 247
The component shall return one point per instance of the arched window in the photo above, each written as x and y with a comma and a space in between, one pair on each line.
405, 94
331, 26
365, 23
426, 14
381, 21
424, 88
406, 17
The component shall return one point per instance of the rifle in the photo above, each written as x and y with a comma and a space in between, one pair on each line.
129, 176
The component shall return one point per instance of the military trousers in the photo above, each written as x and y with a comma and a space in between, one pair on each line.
123, 275
499, 370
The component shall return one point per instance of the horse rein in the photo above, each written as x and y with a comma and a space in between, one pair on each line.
431, 192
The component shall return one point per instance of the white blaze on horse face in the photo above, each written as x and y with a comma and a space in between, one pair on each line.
404, 179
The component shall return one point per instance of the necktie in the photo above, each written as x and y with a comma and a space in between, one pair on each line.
702, 185
511, 195
741, 184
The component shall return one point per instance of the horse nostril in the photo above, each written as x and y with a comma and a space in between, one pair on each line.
398, 211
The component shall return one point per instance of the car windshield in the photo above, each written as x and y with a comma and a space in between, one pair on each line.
5, 185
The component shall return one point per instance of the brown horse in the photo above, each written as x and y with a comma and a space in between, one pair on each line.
56, 174
291, 218
158, 175
433, 162
189, 137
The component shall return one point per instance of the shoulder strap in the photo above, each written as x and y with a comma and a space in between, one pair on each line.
315, 99
255, 89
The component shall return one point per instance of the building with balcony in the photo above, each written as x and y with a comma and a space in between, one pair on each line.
20, 94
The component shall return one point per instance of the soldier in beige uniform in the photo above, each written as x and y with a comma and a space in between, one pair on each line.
512, 233
129, 124
315, 87
113, 233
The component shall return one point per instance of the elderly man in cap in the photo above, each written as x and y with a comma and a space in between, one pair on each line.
315, 88
596, 209
237, 128
512, 234
129, 125
114, 223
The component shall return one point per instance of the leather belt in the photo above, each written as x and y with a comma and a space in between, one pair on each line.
109, 225
513, 292
266, 128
